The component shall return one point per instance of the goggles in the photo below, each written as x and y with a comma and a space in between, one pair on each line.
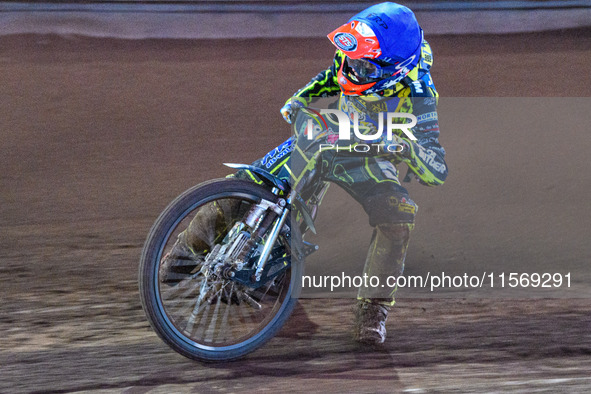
366, 70
363, 69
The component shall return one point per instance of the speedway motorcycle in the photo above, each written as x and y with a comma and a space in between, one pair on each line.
237, 284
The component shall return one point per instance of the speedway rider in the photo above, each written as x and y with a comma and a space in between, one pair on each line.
381, 58
383, 62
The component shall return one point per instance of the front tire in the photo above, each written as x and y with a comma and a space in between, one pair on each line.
237, 319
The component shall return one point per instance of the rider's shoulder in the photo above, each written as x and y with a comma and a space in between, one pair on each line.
410, 88
420, 88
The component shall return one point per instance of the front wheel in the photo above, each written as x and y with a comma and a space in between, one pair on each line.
202, 316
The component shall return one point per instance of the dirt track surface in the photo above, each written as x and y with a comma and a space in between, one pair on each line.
97, 136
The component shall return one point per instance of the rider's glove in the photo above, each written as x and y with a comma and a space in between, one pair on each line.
290, 108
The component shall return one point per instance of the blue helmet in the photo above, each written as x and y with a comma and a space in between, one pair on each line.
382, 44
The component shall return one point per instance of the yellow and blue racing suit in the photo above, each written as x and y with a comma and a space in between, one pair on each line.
373, 180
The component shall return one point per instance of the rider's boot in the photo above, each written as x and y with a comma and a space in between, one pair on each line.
370, 321
385, 258
205, 229
177, 264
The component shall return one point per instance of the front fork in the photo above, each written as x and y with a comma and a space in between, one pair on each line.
273, 235
259, 222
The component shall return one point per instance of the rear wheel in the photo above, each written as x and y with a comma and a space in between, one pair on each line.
198, 314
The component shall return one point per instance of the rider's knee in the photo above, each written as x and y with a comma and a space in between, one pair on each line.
391, 207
